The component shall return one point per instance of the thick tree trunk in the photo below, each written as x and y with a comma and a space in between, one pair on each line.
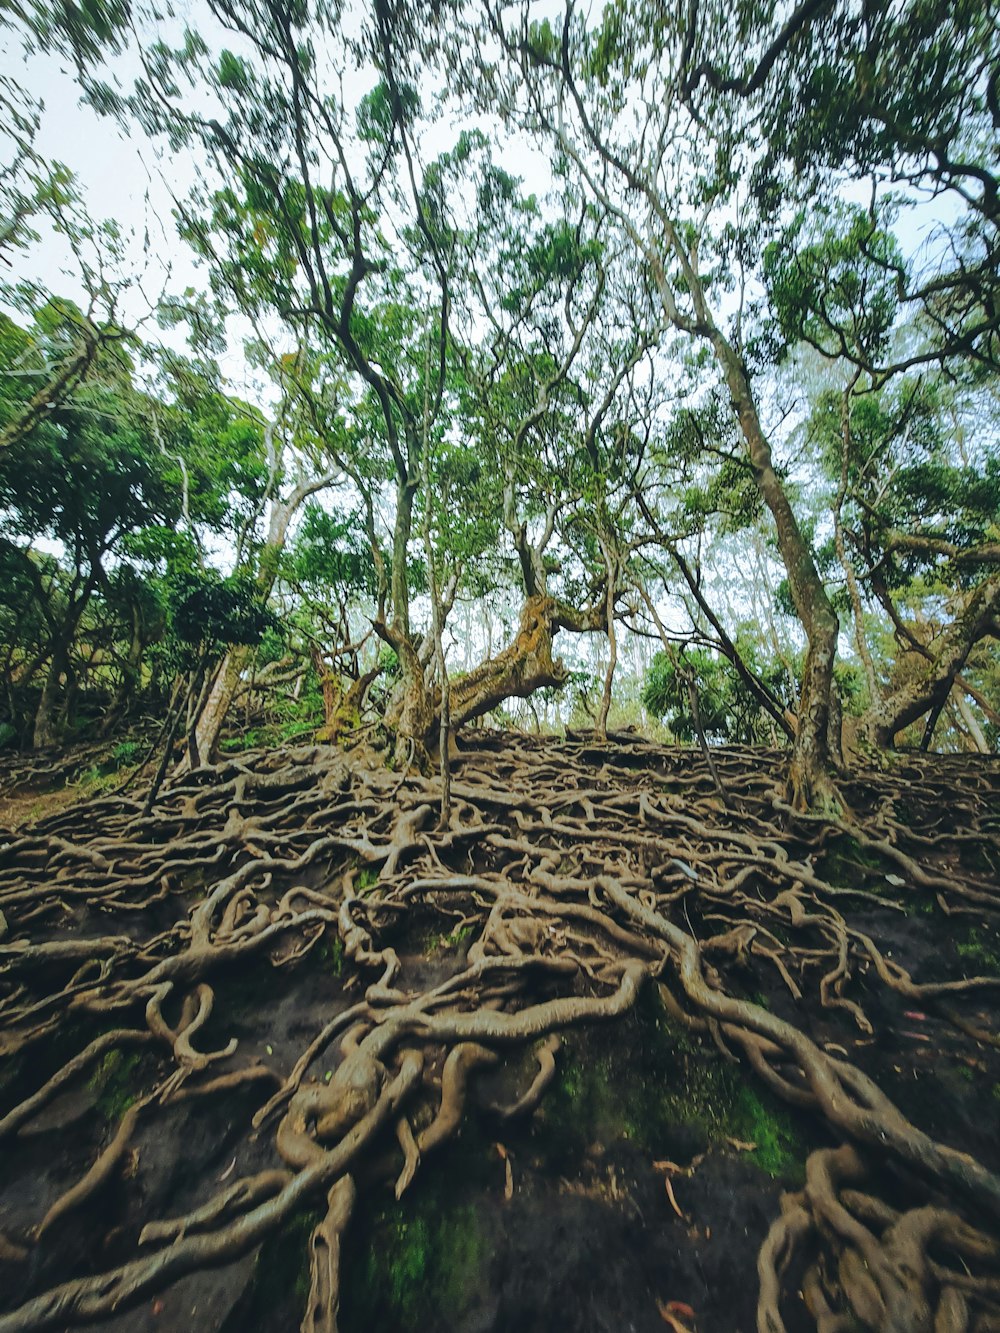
410, 714
525, 665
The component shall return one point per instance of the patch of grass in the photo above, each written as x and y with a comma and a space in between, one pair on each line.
269, 735
451, 941
126, 753
331, 955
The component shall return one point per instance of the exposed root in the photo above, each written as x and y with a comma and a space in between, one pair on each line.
569, 877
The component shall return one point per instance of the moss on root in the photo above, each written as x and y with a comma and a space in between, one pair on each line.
115, 1082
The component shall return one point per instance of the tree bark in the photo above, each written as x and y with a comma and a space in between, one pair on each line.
45, 732
525, 665
931, 690
809, 780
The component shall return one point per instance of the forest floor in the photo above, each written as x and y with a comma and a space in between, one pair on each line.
212, 1010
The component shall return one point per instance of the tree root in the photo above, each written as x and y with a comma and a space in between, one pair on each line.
579, 874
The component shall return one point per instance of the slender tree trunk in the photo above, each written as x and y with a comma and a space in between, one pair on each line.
211, 720
45, 732
979, 741
931, 690
692, 693
601, 727
809, 780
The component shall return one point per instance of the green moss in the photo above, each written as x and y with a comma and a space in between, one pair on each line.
667, 1092
779, 1149
981, 950
409, 1262
115, 1082
431, 1259
280, 1278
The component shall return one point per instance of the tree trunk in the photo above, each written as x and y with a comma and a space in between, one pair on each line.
45, 732
601, 728
809, 781
979, 741
931, 690
208, 727
522, 667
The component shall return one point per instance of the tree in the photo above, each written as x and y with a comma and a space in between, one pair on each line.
84, 477
576, 86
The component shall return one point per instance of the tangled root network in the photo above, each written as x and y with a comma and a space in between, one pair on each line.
582, 875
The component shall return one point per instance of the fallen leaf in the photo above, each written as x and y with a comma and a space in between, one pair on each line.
158, 1306
508, 1184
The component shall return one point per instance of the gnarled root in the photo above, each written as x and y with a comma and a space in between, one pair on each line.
324, 1259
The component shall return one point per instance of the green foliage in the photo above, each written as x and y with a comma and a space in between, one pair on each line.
208, 610
832, 280
729, 710
126, 752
